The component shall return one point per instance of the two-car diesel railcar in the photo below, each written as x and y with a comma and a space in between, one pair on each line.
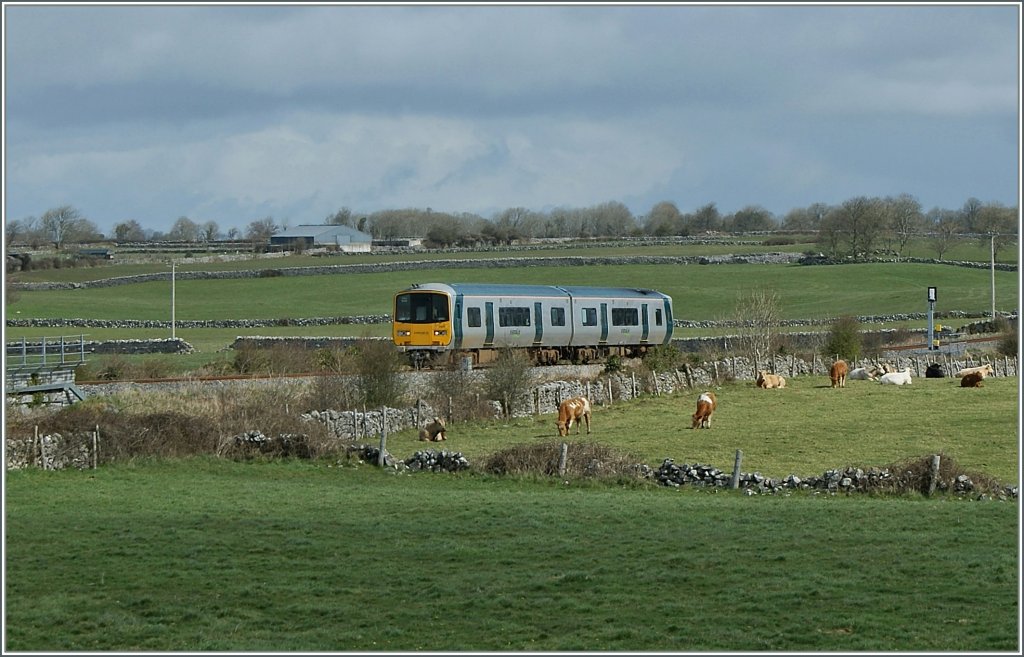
435, 321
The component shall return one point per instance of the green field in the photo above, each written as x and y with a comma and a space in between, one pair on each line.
699, 292
804, 429
207, 555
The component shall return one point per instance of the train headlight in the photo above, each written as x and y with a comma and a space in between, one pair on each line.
404, 334
441, 332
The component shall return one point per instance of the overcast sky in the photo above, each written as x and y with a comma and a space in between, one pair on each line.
235, 113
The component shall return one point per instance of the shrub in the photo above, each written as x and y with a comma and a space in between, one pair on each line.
1007, 345
582, 460
509, 378
378, 367
843, 340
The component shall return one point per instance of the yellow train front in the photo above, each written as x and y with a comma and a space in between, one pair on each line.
433, 321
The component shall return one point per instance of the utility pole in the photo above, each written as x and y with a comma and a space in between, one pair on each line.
992, 244
172, 299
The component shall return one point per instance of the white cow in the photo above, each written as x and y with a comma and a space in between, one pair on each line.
864, 373
983, 370
896, 378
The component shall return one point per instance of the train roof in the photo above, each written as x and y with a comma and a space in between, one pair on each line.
512, 290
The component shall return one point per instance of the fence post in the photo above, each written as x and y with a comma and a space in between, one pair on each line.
933, 475
735, 483
383, 447
95, 446
562, 458
609, 391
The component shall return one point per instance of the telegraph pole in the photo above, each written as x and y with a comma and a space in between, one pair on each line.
992, 244
172, 299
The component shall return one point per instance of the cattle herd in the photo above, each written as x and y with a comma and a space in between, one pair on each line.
577, 410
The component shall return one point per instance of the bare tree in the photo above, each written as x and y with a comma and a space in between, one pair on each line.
905, 219
664, 219
945, 227
261, 230
59, 224
757, 317
509, 378
184, 230
998, 226
209, 231
343, 217
129, 231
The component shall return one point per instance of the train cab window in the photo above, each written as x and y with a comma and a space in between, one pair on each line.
421, 307
517, 316
590, 316
625, 317
558, 316
657, 317
473, 317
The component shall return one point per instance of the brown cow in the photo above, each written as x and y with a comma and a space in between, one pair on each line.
572, 410
706, 405
838, 373
434, 432
972, 380
766, 380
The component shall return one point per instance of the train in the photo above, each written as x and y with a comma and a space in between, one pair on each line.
436, 323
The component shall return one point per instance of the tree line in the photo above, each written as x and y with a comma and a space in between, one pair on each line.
858, 225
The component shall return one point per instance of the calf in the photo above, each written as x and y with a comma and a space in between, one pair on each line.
572, 410
896, 378
706, 405
983, 370
972, 380
934, 371
766, 380
838, 373
434, 432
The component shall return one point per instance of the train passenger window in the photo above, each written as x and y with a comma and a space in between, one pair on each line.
518, 316
625, 317
473, 317
558, 316
657, 317
590, 316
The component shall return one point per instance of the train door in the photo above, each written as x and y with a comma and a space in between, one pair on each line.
604, 323
538, 317
489, 324
645, 322
457, 322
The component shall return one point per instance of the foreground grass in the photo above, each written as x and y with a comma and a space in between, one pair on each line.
204, 555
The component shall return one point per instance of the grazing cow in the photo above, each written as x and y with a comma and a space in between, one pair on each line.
706, 405
766, 380
934, 371
434, 432
865, 373
838, 373
572, 410
972, 380
983, 370
896, 378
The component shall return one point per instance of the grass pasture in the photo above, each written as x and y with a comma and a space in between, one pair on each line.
804, 429
699, 292
220, 556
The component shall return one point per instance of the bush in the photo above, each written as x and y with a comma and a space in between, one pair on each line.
509, 378
378, 367
1007, 345
582, 460
844, 339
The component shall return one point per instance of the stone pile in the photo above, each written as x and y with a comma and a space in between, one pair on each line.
437, 461
846, 480
284, 444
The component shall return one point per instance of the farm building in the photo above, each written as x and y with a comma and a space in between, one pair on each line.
319, 236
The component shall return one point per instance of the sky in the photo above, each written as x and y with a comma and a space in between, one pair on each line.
233, 113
